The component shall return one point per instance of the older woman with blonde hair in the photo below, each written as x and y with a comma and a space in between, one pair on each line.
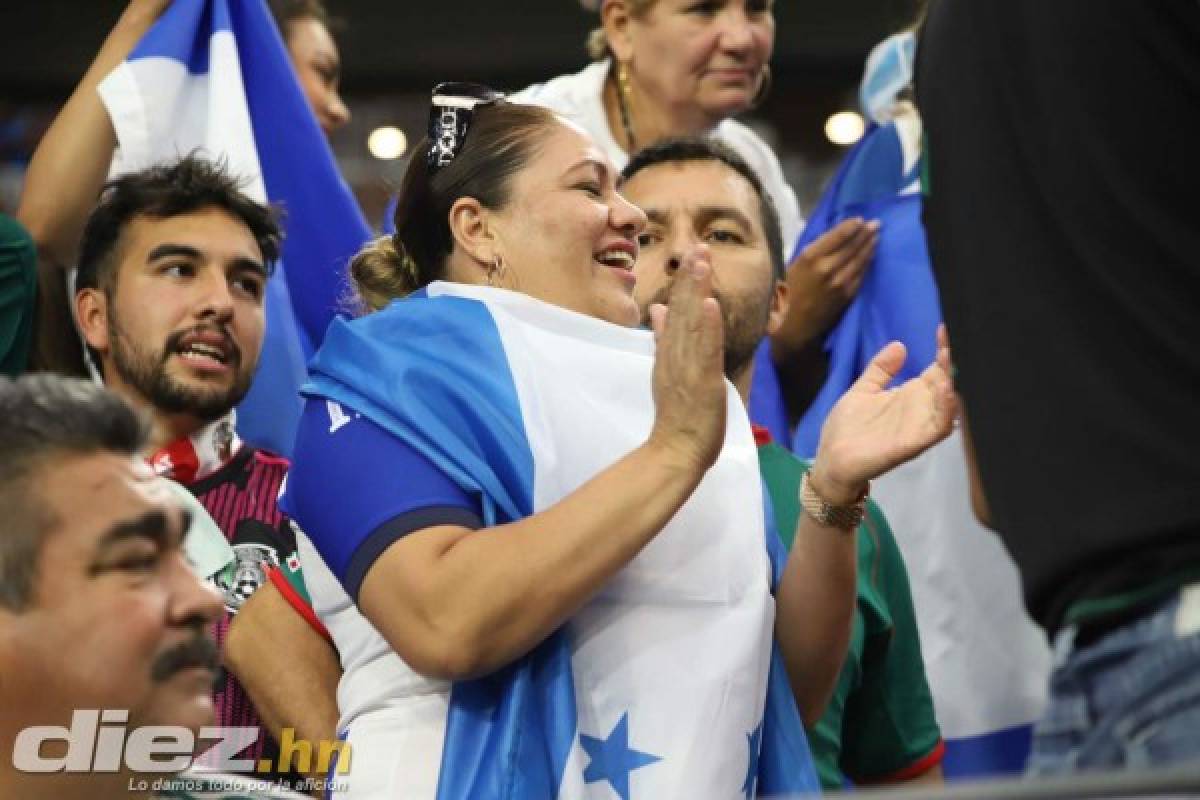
669, 68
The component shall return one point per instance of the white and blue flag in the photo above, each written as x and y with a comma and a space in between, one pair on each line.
668, 683
986, 662
213, 76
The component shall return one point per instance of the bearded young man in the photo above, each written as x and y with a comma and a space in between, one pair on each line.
870, 715
174, 262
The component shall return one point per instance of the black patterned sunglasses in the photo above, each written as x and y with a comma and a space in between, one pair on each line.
450, 116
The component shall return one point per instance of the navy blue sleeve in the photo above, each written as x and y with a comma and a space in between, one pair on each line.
354, 489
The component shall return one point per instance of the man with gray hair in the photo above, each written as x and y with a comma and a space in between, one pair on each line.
101, 618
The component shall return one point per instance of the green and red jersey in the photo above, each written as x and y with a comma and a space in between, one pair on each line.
879, 726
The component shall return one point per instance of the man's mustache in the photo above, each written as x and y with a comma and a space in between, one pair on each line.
199, 651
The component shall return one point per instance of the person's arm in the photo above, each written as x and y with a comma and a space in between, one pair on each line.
64, 178
871, 430
456, 603
815, 608
72, 160
289, 671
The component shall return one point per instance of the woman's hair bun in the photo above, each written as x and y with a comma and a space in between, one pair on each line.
382, 271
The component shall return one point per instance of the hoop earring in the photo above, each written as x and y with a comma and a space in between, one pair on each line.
764, 87
496, 272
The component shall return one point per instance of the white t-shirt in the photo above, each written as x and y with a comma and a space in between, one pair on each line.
580, 98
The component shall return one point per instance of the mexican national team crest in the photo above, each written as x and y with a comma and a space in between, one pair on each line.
248, 571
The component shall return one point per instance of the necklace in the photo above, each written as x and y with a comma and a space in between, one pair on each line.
623, 107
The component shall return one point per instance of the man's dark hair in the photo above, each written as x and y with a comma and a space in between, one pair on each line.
191, 184
695, 148
44, 417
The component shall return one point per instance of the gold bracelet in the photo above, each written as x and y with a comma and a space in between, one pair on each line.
845, 517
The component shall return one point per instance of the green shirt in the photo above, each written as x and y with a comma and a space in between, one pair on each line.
18, 291
879, 724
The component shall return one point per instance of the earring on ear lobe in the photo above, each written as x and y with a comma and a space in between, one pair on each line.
497, 271
764, 87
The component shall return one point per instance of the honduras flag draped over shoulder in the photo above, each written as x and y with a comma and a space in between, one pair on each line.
213, 76
668, 682
986, 662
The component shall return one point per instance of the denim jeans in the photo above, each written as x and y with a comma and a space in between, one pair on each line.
1129, 699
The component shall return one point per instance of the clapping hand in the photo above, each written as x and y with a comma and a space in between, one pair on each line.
689, 379
872, 428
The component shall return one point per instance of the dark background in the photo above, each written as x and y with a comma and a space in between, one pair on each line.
394, 50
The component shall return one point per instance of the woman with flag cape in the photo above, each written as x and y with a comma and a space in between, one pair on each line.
536, 533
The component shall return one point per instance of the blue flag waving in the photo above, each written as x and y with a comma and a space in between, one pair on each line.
213, 76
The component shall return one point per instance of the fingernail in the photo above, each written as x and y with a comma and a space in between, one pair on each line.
874, 225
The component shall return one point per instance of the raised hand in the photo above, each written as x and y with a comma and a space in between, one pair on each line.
872, 428
825, 276
689, 381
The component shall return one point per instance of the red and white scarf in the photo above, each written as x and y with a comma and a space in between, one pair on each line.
194, 457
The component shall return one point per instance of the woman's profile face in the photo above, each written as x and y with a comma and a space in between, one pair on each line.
318, 68
702, 55
566, 236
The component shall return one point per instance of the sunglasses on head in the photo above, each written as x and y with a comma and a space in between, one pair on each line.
450, 115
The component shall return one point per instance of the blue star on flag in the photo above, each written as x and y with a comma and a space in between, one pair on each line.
611, 758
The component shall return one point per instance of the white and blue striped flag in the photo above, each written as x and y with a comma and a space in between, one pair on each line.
986, 662
213, 76
667, 683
